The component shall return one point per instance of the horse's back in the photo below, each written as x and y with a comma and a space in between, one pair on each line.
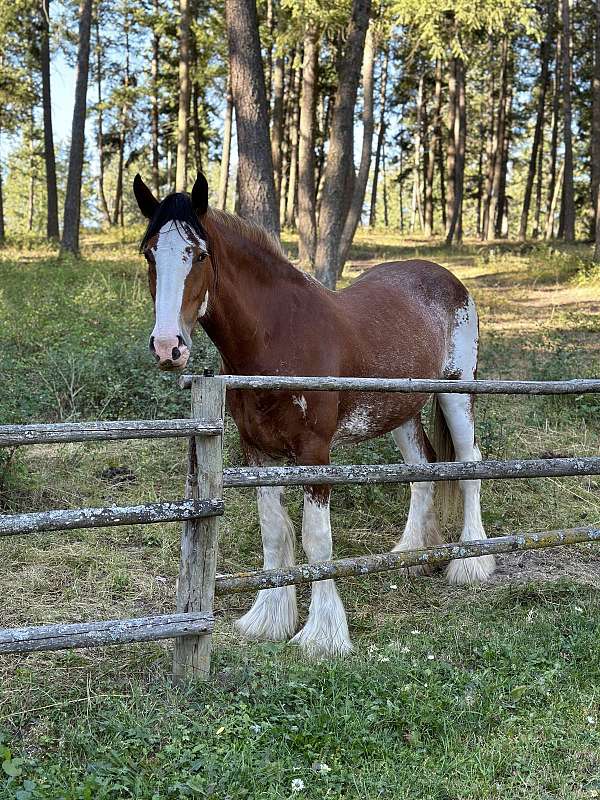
413, 282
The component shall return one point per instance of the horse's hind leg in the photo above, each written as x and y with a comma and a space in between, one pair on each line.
422, 527
458, 413
274, 615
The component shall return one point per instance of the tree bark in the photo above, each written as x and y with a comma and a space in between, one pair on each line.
292, 196
455, 227
498, 146
596, 231
123, 124
286, 141
155, 113
49, 159
556, 88
418, 157
100, 131
431, 146
501, 229
2, 227
72, 209
568, 188
307, 217
451, 146
184, 96
380, 138
360, 184
257, 199
335, 197
537, 135
197, 128
595, 138
226, 153
277, 118
489, 154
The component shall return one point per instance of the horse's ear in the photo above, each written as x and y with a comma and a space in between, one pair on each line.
200, 195
145, 199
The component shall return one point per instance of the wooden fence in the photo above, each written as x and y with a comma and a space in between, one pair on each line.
192, 623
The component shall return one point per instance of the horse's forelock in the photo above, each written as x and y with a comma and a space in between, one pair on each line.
177, 208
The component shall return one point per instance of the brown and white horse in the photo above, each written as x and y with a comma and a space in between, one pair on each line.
399, 319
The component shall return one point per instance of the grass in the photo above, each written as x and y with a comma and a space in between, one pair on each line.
452, 693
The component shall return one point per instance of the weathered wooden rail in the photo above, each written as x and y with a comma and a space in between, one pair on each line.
192, 624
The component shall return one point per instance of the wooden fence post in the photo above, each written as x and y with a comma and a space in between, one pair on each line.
199, 537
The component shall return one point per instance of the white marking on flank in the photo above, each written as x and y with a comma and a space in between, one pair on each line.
301, 403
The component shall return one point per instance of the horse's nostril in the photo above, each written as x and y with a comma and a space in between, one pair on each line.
152, 344
176, 353
180, 340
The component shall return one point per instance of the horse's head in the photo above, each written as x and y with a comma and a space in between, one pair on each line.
180, 272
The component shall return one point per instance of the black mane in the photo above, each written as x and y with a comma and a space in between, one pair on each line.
176, 207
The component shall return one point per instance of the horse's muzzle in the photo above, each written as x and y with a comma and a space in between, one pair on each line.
170, 353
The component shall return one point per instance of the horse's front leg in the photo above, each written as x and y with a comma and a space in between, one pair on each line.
326, 630
274, 615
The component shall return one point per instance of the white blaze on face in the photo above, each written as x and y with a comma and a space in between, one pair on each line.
173, 256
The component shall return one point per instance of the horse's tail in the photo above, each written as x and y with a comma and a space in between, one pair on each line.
447, 492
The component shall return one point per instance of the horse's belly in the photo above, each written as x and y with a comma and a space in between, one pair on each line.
374, 414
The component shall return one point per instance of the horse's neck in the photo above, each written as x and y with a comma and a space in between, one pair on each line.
250, 301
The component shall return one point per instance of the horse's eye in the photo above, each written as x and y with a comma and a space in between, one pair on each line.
201, 257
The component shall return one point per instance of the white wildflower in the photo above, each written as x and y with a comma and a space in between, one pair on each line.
591, 720
393, 586
297, 785
415, 632
255, 728
430, 657
404, 650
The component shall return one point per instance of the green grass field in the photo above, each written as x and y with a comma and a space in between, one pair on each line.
452, 693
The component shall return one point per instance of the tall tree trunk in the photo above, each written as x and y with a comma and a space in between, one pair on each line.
197, 128
418, 157
501, 229
336, 192
31, 198
596, 256
100, 131
380, 138
595, 137
451, 146
154, 114
286, 142
429, 167
556, 88
480, 179
277, 119
123, 123
537, 134
184, 96
360, 184
489, 150
455, 227
550, 224
226, 153
568, 188
498, 146
292, 196
307, 219
2, 228
328, 106
255, 166
50, 162
72, 209
386, 216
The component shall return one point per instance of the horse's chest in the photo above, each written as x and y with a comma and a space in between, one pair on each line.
272, 422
